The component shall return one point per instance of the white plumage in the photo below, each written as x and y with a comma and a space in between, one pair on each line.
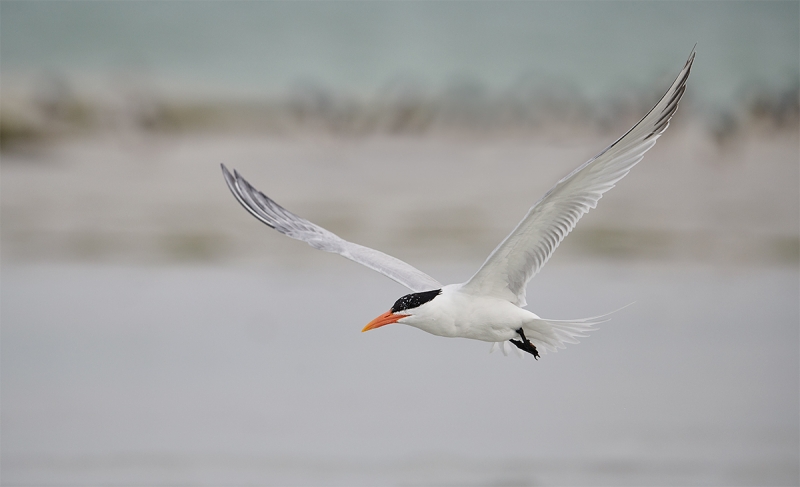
488, 307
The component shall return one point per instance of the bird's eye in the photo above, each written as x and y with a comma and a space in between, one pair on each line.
411, 301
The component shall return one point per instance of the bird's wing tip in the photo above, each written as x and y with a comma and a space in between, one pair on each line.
691, 56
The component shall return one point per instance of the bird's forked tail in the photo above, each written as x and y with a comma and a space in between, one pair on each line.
549, 335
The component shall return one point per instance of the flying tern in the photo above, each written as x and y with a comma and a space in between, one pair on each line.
489, 306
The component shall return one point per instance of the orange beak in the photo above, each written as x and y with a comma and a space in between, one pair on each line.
384, 319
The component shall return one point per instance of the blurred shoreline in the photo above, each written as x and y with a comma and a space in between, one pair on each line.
41, 108
127, 173
136, 196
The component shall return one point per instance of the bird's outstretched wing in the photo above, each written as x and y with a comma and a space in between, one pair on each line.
286, 222
524, 252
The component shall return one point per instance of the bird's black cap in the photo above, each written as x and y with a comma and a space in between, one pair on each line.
411, 301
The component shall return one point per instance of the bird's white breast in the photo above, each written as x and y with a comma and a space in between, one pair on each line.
457, 314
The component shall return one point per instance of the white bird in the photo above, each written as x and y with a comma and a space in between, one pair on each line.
488, 306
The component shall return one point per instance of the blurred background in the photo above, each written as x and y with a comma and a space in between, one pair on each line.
153, 333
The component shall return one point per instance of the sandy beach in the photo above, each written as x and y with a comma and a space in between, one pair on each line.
139, 197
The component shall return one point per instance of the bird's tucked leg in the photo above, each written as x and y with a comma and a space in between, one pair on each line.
525, 345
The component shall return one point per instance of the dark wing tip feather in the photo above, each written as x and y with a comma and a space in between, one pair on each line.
671, 106
275, 216
236, 183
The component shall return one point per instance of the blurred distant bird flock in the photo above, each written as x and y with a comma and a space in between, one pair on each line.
38, 108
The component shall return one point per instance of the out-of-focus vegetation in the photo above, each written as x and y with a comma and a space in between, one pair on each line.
58, 109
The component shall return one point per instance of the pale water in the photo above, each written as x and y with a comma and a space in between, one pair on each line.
260, 376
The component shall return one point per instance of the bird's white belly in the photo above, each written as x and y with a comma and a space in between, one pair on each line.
477, 317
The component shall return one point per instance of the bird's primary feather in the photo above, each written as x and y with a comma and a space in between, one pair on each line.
274, 215
518, 258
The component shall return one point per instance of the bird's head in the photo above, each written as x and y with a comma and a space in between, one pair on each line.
404, 309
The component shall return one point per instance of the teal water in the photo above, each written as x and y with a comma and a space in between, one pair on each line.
265, 48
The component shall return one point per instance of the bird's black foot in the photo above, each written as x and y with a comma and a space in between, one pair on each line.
525, 345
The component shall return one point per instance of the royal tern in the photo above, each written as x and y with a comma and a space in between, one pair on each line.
489, 306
